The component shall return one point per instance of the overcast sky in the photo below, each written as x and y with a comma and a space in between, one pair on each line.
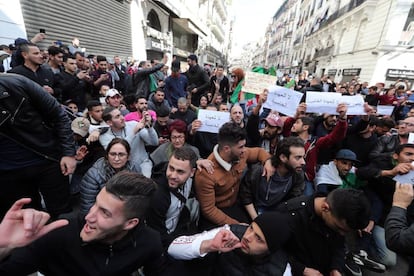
251, 19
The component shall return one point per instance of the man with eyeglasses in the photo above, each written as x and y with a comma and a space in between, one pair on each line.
387, 144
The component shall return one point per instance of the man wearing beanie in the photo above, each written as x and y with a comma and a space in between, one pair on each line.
238, 249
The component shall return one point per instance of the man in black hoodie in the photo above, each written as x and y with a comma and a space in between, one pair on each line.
112, 239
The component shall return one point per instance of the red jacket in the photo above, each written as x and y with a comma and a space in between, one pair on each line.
314, 144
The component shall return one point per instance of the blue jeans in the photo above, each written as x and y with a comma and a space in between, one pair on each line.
379, 249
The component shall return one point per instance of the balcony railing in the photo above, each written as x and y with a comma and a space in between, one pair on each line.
325, 52
352, 5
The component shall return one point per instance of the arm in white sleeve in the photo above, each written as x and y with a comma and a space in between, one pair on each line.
188, 247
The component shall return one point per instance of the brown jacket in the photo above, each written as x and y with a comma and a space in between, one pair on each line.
220, 189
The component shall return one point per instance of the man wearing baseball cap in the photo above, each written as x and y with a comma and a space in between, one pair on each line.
340, 172
113, 98
270, 135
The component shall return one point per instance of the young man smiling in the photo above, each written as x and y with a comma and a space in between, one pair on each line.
169, 214
111, 240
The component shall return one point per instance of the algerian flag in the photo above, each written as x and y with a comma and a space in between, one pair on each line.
153, 83
239, 95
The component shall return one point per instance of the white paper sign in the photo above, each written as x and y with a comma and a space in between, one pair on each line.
255, 82
211, 120
405, 178
410, 138
355, 104
385, 110
327, 102
283, 100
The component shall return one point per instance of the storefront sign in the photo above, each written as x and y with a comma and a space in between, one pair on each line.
332, 72
395, 74
351, 72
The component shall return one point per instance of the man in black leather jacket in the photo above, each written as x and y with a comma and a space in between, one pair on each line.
387, 144
36, 145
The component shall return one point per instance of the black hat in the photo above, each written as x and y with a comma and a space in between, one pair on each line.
275, 228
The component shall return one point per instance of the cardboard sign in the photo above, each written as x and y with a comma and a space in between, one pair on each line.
283, 100
255, 82
211, 120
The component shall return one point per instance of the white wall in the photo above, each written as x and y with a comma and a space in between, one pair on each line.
11, 21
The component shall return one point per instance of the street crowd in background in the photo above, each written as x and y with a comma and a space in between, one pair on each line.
112, 151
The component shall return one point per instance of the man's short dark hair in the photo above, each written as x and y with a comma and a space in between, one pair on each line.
230, 134
373, 120
79, 53
350, 205
106, 115
25, 47
68, 56
100, 58
307, 121
53, 50
401, 147
186, 153
163, 111
129, 99
284, 148
212, 105
135, 190
91, 104
386, 122
140, 97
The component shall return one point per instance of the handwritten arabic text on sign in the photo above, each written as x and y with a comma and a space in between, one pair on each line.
255, 82
283, 100
327, 102
212, 120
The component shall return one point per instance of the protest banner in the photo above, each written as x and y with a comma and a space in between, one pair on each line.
283, 100
385, 110
211, 120
327, 102
256, 82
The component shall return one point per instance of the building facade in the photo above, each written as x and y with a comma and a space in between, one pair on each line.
133, 29
371, 39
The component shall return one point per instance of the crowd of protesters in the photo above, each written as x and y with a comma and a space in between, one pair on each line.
311, 194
